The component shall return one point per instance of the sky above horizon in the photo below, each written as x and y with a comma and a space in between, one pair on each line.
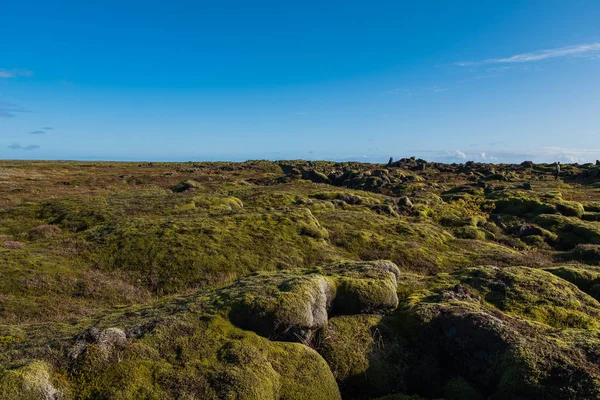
341, 80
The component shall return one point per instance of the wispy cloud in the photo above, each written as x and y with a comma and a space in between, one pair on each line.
17, 146
460, 154
398, 91
37, 132
8, 110
411, 92
13, 73
591, 50
544, 154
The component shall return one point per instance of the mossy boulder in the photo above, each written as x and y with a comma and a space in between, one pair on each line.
584, 253
33, 381
279, 305
592, 206
365, 287
570, 231
534, 294
473, 232
204, 356
570, 208
215, 204
591, 216
170, 253
535, 241
292, 305
503, 351
77, 214
520, 204
460, 389
586, 278
185, 186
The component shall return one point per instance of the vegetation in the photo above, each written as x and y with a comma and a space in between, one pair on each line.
267, 280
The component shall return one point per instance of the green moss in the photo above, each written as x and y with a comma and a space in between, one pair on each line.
459, 389
534, 294
294, 304
347, 342
100, 237
77, 214
208, 358
363, 364
592, 206
472, 232
520, 204
584, 253
355, 296
31, 382
570, 231
168, 254
535, 241
570, 209
186, 185
591, 216
216, 204
587, 279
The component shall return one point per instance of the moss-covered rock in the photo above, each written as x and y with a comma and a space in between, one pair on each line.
534, 294
204, 356
584, 253
473, 232
185, 186
459, 389
502, 351
570, 231
591, 216
33, 381
586, 278
293, 305
570, 208
522, 205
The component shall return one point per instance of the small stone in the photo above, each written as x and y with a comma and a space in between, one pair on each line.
405, 202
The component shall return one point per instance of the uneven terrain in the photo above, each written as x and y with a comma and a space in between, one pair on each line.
299, 280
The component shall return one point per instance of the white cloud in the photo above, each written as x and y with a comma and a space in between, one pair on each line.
591, 50
13, 73
496, 155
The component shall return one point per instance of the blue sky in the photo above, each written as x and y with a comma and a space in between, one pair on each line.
235, 80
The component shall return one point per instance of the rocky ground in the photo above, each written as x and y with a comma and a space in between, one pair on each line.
299, 280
